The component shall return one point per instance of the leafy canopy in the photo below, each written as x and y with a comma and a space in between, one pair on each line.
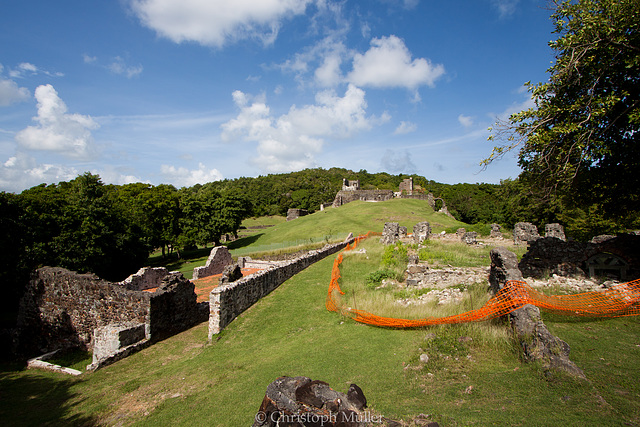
581, 141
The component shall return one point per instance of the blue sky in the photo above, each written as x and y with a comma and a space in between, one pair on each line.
191, 91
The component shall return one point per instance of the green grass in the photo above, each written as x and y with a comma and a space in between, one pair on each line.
74, 359
474, 375
315, 230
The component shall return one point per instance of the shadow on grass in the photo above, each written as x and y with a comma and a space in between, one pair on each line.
38, 398
244, 241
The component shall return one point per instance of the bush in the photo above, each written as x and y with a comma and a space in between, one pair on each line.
375, 278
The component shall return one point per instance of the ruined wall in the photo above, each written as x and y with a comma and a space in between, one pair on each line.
61, 308
296, 213
229, 301
343, 197
174, 307
145, 278
219, 258
551, 255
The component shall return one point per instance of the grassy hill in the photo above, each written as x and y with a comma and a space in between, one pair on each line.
330, 225
479, 381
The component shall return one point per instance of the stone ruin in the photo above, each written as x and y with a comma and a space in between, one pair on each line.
145, 278
61, 309
470, 237
351, 192
390, 233
614, 256
219, 258
496, 230
554, 230
536, 342
231, 273
421, 232
525, 232
296, 213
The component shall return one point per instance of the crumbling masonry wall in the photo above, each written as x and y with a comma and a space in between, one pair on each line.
64, 309
229, 301
61, 309
551, 255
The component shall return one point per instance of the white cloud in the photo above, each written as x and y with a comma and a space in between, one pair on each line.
516, 107
22, 171
118, 66
183, 177
405, 127
10, 93
329, 74
395, 162
216, 22
388, 63
465, 121
291, 141
57, 130
26, 68
324, 58
505, 8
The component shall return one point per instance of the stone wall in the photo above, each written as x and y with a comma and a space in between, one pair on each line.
550, 255
61, 309
343, 197
145, 278
296, 213
525, 232
421, 232
64, 309
229, 301
219, 258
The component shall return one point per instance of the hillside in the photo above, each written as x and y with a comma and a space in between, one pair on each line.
474, 376
356, 217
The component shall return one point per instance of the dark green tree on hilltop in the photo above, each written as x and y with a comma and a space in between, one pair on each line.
580, 144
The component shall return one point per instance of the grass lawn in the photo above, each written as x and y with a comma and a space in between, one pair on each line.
474, 375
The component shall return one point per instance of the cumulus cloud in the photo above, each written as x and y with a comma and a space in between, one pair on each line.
22, 171
289, 142
57, 130
465, 121
183, 177
10, 93
405, 127
395, 162
329, 73
388, 64
324, 59
216, 22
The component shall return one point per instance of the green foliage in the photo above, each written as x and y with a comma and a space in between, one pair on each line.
374, 279
580, 144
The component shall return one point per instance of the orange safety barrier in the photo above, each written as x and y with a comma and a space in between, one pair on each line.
619, 300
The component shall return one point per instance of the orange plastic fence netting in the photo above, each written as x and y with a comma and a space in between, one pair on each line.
619, 300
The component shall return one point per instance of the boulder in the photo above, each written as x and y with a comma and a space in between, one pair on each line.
300, 401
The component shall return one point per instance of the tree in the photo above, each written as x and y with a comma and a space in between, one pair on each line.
580, 144
154, 210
